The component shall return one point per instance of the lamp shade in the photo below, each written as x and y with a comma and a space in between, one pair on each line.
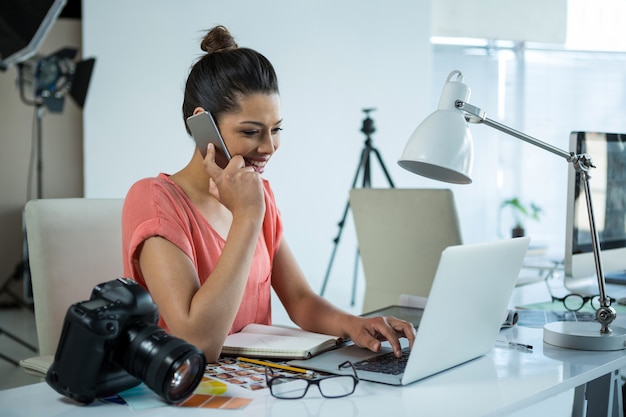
441, 147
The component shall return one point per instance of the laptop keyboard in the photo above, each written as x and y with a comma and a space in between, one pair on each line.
386, 363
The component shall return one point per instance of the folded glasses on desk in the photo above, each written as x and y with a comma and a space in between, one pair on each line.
292, 388
574, 302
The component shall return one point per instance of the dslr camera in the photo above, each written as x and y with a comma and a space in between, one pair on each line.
111, 343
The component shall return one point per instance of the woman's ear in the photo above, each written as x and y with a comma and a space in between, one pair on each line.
198, 110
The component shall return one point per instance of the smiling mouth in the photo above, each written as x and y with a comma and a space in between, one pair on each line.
258, 166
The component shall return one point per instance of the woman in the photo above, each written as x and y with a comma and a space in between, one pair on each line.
206, 242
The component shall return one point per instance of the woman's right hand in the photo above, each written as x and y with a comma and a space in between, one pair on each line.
240, 187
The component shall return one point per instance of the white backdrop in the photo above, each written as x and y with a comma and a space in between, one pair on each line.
333, 59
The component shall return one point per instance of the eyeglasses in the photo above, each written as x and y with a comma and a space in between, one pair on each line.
574, 302
293, 388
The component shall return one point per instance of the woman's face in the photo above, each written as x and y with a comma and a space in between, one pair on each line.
254, 131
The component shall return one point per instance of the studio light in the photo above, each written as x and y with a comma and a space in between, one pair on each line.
441, 148
53, 77
49, 80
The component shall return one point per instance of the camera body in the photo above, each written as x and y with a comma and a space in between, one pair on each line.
87, 362
111, 343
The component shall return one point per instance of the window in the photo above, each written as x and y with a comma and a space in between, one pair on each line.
545, 92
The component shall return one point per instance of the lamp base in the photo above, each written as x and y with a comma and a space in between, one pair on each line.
583, 336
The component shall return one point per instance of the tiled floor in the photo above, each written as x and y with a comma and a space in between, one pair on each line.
21, 323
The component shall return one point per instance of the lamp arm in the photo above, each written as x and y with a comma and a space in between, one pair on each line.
474, 115
605, 314
582, 163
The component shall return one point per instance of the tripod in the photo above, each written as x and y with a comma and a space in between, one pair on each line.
365, 168
21, 270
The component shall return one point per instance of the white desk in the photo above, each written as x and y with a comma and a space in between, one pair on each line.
503, 381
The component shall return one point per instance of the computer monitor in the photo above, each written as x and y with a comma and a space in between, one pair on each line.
23, 27
607, 183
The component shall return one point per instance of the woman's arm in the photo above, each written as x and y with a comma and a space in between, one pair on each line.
203, 314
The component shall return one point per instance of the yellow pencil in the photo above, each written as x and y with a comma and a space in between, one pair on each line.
274, 365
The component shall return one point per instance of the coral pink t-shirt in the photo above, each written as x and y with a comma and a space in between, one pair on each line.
159, 207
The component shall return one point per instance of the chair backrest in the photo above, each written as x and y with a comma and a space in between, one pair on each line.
401, 234
73, 245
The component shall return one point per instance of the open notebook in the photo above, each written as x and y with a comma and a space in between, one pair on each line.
263, 341
468, 299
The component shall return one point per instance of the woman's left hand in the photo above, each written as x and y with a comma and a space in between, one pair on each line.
369, 332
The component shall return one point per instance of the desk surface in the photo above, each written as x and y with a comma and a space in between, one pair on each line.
502, 381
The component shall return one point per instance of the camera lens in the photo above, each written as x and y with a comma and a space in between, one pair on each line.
168, 365
183, 377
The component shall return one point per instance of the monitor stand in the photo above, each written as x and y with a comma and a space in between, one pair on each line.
586, 286
589, 285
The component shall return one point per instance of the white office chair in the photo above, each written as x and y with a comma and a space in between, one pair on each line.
73, 244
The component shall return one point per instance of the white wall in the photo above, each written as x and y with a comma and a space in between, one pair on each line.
333, 59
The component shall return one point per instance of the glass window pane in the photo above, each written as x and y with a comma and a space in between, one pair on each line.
546, 92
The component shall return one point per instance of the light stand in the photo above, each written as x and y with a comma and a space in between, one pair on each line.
450, 161
364, 167
52, 78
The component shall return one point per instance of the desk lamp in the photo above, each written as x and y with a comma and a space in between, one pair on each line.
441, 148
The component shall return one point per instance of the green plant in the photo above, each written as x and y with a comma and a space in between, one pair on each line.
521, 211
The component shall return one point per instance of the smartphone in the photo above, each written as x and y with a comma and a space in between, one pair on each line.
204, 131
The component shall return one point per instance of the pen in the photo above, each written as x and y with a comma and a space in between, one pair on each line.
514, 345
520, 346
274, 365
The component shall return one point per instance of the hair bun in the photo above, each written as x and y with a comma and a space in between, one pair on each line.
218, 39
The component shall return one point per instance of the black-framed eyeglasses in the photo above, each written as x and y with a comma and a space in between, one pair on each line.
574, 302
293, 388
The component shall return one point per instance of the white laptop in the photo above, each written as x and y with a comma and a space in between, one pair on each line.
465, 309
401, 234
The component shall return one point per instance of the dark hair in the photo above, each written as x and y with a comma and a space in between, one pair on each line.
224, 74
